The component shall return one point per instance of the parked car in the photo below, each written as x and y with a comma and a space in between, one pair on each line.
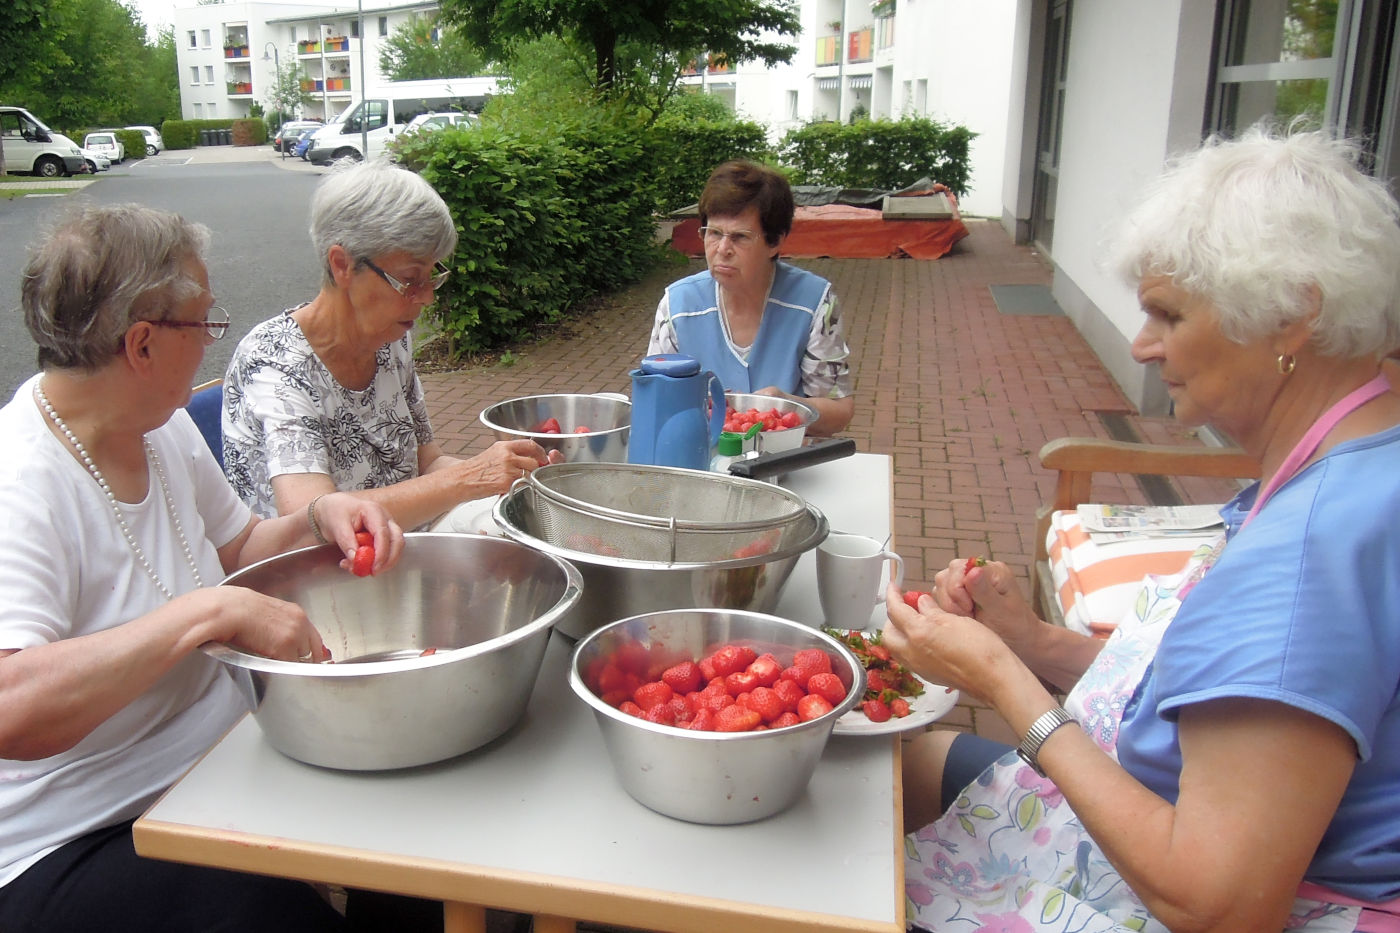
291, 131
106, 143
30, 146
154, 142
437, 121
96, 161
303, 145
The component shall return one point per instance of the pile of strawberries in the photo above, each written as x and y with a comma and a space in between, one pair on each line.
733, 689
739, 422
551, 426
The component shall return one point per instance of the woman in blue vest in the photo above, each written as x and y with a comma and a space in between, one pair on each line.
762, 326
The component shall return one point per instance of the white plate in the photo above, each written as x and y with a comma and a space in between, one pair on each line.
472, 517
933, 704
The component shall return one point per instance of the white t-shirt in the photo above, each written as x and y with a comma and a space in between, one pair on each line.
66, 571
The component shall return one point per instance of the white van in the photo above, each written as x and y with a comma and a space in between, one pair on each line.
30, 146
387, 110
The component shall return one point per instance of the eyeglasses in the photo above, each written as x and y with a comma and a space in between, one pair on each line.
740, 238
410, 290
215, 325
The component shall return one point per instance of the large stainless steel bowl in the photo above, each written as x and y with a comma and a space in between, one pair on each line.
773, 441
618, 587
607, 417
486, 605
711, 777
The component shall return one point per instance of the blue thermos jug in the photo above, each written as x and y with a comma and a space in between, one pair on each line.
670, 422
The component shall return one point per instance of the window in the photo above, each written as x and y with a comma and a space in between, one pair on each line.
383, 25
209, 75
194, 74
792, 105
192, 45
354, 29
206, 39
213, 109
199, 111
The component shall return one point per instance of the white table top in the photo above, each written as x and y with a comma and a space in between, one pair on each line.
536, 821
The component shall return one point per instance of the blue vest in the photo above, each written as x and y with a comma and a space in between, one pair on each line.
775, 359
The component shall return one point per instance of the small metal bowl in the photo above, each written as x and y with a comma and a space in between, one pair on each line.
711, 777
771, 441
608, 419
486, 605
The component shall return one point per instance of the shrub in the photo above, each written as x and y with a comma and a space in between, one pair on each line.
134, 142
249, 132
543, 222
684, 152
888, 154
184, 134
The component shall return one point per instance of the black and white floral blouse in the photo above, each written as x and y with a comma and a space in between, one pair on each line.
285, 413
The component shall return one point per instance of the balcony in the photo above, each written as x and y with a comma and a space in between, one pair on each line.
240, 88
234, 49
861, 45
828, 50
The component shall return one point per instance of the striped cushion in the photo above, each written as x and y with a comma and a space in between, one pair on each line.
1097, 582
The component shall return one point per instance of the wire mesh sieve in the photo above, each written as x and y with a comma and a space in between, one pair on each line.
651, 513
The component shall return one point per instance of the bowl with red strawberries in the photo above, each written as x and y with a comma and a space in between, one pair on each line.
713, 715
783, 420
584, 428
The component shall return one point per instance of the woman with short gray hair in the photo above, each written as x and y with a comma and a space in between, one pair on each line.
118, 523
325, 395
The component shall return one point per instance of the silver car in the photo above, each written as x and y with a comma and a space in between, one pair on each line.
96, 161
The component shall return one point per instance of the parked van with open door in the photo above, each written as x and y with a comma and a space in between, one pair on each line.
387, 110
30, 146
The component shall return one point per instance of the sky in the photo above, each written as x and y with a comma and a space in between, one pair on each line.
156, 14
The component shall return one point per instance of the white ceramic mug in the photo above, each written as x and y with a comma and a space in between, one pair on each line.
850, 583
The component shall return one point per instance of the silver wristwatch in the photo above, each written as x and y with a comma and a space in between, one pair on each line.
1040, 730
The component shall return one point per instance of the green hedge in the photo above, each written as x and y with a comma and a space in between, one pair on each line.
685, 152
134, 142
249, 132
184, 134
888, 154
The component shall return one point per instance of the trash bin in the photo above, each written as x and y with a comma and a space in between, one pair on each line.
204, 139
225, 137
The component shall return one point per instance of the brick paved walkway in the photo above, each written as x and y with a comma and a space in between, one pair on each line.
961, 395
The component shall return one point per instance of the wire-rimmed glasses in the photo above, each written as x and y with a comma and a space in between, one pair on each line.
411, 290
215, 324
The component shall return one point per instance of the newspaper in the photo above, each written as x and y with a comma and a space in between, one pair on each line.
1124, 521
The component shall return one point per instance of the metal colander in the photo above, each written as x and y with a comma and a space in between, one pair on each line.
653, 513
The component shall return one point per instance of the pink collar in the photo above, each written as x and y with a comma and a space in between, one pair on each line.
1308, 445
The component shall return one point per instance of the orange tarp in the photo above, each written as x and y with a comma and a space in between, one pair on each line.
845, 232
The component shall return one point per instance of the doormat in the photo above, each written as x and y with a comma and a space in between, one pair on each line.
1024, 299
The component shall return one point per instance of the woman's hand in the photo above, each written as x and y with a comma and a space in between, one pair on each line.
491, 472
340, 516
259, 624
990, 595
943, 647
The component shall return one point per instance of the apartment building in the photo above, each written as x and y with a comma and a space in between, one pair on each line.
230, 54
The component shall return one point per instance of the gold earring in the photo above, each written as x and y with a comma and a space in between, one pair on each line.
1286, 362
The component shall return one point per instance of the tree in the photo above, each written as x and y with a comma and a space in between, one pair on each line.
657, 33
287, 96
424, 48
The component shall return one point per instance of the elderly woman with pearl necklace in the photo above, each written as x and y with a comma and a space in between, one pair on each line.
117, 523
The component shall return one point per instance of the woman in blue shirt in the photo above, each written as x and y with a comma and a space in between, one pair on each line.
760, 325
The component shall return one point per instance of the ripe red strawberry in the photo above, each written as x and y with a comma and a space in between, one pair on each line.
703, 721
790, 693
612, 677
731, 659
363, 564
683, 677
651, 694
876, 710
767, 703
736, 719
617, 697
899, 707
714, 700
826, 686
812, 707
875, 681
707, 669
661, 713
740, 682
364, 539
681, 712
911, 598
787, 719
796, 675
880, 652
630, 708
813, 660
766, 668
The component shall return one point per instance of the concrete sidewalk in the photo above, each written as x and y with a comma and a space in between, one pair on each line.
961, 395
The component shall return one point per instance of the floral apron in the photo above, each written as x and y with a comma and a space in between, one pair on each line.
1010, 856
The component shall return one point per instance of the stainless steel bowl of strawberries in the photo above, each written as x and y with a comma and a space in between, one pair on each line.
432, 658
584, 428
715, 716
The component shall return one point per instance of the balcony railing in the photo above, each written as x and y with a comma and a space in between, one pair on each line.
884, 32
861, 45
828, 50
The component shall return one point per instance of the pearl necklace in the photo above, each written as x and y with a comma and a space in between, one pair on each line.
150, 453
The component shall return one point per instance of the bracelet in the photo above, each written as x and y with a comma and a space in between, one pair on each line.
1040, 730
311, 520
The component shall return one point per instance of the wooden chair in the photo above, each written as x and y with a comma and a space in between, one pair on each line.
206, 408
1077, 459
